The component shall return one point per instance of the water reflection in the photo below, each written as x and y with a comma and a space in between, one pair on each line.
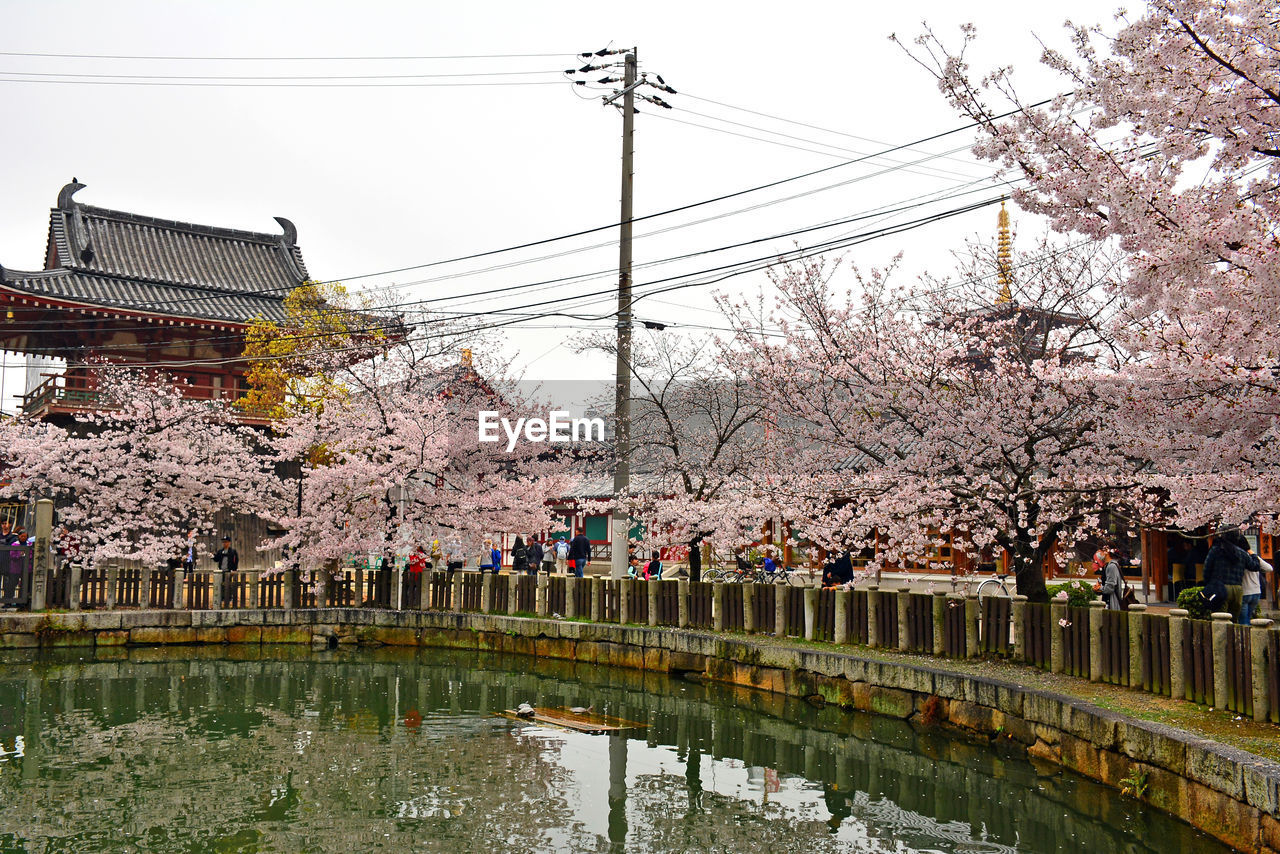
228, 749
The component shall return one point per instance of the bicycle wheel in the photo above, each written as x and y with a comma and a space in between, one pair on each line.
796, 578
992, 587
713, 575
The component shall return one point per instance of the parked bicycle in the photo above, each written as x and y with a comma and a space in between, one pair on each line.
995, 586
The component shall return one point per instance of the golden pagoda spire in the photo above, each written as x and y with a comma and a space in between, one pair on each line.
1004, 258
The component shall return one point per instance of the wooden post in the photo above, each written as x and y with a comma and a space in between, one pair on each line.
1137, 626
513, 589
570, 600
717, 607
624, 600
749, 608
455, 592
1179, 686
682, 600
113, 579
1057, 652
486, 591
1259, 652
653, 586
286, 595
1221, 626
810, 612
873, 616
540, 604
904, 602
971, 611
179, 580
780, 611
1018, 613
254, 578
841, 634
939, 623
1095, 639
597, 593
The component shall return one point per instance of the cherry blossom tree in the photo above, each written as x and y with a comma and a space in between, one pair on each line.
132, 475
909, 418
1168, 144
396, 460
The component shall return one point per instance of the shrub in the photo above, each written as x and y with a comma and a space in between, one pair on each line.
1192, 599
1079, 592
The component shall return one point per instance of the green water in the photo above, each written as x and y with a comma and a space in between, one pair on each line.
274, 749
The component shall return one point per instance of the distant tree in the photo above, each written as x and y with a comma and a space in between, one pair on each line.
696, 433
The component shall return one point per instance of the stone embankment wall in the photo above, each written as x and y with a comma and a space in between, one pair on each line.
1229, 793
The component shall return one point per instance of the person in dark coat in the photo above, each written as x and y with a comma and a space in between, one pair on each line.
536, 555
580, 553
519, 556
838, 571
10, 562
1224, 569
226, 559
1111, 587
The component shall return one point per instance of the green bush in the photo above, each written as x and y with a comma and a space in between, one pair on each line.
1079, 592
1194, 602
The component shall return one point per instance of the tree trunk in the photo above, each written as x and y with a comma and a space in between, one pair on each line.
1028, 567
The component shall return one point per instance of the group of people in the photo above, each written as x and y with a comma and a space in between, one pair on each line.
1233, 580
12, 563
560, 555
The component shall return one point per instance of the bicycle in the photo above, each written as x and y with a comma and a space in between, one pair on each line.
995, 586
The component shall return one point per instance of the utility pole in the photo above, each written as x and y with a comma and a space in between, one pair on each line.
620, 529
620, 524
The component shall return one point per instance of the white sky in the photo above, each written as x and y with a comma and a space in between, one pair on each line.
389, 177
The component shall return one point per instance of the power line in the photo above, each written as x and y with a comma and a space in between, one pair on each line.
247, 85
494, 293
240, 77
289, 58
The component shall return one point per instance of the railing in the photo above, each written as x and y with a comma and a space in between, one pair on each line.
1235, 668
15, 576
76, 392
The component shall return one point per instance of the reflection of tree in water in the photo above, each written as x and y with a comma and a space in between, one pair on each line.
402, 752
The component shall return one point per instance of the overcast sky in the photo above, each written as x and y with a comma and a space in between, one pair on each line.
384, 172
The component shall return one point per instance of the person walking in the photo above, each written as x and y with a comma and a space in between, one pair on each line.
1251, 587
580, 553
562, 556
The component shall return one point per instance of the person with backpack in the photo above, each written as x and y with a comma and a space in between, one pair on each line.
519, 556
562, 556
535, 555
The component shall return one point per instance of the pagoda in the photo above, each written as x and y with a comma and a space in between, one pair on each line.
129, 289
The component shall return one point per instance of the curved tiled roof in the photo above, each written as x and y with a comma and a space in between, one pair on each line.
130, 295
144, 264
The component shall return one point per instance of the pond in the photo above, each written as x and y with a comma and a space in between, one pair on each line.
280, 749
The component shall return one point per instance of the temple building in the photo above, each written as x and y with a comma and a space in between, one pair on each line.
131, 289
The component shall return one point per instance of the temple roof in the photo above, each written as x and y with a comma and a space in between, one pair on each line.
135, 263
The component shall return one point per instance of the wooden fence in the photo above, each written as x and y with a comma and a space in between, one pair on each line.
1236, 668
